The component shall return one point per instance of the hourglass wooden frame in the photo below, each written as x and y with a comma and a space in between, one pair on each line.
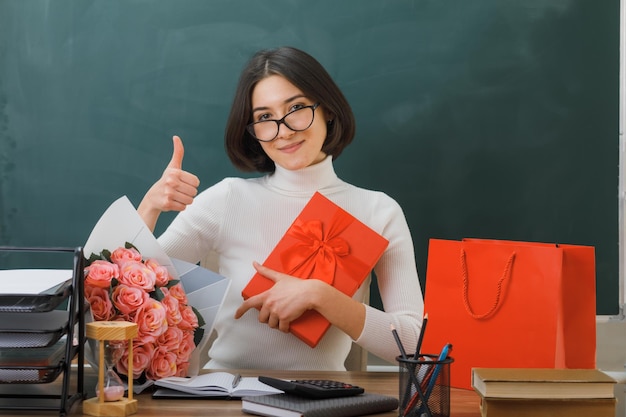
111, 330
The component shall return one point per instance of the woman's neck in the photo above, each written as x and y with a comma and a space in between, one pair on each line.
306, 180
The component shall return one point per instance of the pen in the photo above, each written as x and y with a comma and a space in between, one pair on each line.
427, 384
435, 374
236, 380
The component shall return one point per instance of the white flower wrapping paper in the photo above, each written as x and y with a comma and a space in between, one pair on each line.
205, 289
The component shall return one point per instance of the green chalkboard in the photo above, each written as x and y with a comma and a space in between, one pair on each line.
483, 118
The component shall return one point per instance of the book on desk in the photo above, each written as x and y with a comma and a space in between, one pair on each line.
287, 405
526, 392
212, 385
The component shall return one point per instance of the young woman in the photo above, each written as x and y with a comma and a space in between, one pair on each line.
288, 120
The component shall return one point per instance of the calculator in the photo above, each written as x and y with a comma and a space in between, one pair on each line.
313, 388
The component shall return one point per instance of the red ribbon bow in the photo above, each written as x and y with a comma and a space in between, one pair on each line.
316, 254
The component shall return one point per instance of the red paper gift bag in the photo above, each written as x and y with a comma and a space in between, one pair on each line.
505, 304
324, 242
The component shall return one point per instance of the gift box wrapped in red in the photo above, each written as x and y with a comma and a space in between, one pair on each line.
325, 242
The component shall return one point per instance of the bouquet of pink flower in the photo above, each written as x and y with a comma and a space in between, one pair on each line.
121, 285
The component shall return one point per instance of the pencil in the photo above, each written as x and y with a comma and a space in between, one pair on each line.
410, 368
421, 337
398, 341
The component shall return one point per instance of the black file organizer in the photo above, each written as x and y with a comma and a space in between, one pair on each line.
68, 323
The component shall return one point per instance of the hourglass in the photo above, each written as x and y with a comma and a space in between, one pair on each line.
110, 400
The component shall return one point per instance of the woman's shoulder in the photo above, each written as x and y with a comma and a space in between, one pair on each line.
373, 207
374, 196
229, 185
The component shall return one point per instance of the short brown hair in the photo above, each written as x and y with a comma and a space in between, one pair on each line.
306, 73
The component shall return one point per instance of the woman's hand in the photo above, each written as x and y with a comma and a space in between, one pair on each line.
287, 300
174, 191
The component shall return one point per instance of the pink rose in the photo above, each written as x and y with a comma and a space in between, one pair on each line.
186, 347
178, 292
142, 356
190, 320
163, 364
100, 273
128, 300
162, 275
151, 319
101, 305
182, 369
136, 274
171, 307
122, 255
171, 339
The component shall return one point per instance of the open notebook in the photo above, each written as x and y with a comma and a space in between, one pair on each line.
212, 385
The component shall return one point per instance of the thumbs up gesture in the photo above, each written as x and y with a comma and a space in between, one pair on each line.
172, 192
177, 156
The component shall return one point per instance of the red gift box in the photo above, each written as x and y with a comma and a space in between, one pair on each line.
324, 242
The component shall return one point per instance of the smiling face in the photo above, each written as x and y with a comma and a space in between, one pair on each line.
272, 98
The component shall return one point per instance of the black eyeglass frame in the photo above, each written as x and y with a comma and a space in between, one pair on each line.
250, 127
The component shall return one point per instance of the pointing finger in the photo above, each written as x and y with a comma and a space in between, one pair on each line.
252, 302
267, 272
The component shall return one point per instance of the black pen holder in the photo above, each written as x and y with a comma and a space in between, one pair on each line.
424, 388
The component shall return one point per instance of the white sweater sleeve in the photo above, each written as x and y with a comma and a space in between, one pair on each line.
195, 232
400, 292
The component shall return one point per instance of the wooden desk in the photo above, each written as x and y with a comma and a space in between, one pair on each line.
463, 403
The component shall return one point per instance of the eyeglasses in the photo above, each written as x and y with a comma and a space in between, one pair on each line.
296, 120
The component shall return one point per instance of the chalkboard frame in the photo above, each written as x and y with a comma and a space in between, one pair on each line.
622, 162
352, 38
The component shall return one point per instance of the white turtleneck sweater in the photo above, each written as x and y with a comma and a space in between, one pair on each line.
241, 220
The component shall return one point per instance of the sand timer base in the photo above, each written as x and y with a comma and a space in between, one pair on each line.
123, 407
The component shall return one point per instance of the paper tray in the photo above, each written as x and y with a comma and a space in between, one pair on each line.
26, 375
35, 303
33, 357
33, 329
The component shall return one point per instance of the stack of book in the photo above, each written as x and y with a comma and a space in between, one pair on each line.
527, 392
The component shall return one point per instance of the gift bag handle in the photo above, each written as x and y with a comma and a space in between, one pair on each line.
505, 274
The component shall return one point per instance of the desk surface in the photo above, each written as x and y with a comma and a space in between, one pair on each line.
463, 403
